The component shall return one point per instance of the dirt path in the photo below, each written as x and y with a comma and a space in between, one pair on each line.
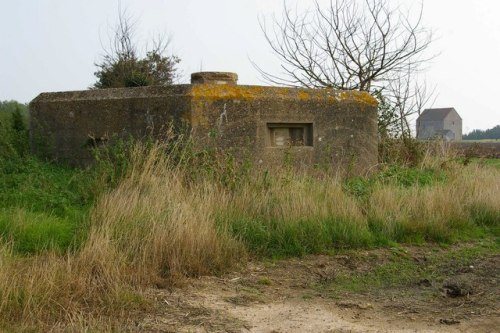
312, 294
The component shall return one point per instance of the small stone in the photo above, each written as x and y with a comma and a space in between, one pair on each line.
449, 321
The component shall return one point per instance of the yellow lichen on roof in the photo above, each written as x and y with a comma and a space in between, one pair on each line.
218, 91
357, 96
222, 91
303, 95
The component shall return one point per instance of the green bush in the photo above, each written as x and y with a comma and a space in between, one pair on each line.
14, 135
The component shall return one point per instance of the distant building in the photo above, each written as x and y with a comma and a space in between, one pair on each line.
444, 123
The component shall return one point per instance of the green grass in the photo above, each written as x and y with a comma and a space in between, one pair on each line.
416, 220
482, 161
494, 162
43, 187
278, 239
409, 233
42, 206
36, 232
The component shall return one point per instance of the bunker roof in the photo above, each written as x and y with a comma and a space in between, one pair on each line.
212, 85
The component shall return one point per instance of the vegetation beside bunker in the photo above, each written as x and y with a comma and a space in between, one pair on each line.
151, 214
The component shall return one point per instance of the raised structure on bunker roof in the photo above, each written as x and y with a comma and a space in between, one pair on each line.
310, 126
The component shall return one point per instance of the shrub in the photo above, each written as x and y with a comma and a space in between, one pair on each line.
14, 136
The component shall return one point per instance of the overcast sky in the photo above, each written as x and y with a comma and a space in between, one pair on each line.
52, 45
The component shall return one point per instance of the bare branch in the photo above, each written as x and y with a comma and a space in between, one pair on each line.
346, 45
355, 45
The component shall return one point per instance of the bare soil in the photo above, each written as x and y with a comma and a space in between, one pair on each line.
314, 294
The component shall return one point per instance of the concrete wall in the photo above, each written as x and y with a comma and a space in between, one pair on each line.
65, 124
342, 125
453, 122
427, 128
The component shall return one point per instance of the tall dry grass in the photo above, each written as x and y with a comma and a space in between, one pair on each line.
152, 228
46, 290
294, 214
167, 219
439, 212
161, 224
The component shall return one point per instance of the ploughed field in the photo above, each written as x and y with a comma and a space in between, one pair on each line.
479, 148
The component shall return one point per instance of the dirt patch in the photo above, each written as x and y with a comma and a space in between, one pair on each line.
444, 293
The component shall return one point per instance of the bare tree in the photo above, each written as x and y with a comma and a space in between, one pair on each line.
356, 45
406, 97
122, 64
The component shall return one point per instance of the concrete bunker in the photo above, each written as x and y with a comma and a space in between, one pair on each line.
315, 126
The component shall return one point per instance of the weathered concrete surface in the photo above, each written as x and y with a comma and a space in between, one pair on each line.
237, 118
214, 78
63, 124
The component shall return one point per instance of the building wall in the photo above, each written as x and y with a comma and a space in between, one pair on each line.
453, 122
427, 128
339, 128
65, 125
344, 124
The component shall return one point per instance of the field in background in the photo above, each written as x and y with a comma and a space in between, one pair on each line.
478, 148
80, 248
